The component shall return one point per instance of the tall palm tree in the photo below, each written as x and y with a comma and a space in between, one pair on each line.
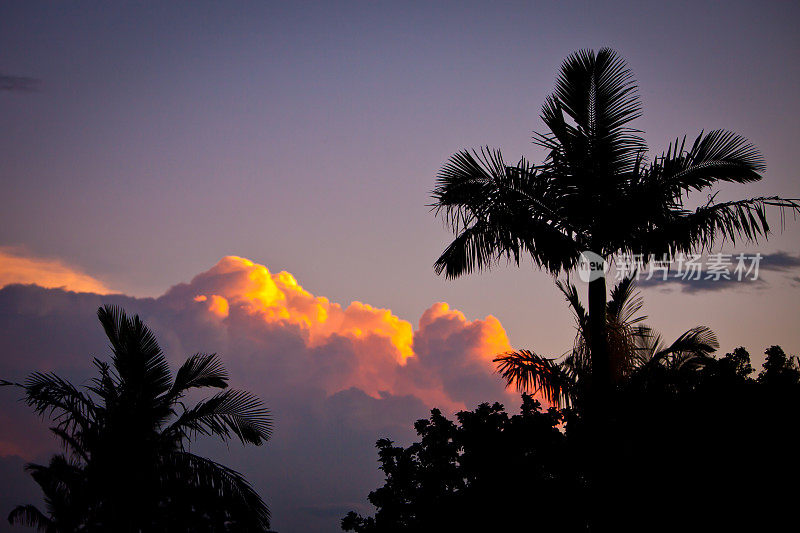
596, 191
633, 348
127, 465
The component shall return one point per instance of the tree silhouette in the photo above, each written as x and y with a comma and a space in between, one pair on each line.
779, 370
707, 448
488, 472
633, 348
126, 465
596, 190
694, 448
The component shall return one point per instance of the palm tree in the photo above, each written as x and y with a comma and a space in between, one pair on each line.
63, 486
596, 191
633, 348
127, 464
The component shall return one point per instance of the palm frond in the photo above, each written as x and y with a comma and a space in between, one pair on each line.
472, 184
232, 412
200, 370
698, 342
607, 81
51, 395
481, 245
63, 483
716, 156
245, 507
691, 231
31, 516
625, 302
528, 371
137, 357
475, 248
645, 342
104, 386
498, 211
570, 292
598, 93
72, 442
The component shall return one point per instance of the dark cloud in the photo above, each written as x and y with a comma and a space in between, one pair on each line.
19, 84
779, 261
691, 286
776, 262
729, 273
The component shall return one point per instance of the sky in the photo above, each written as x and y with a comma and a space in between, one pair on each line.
155, 150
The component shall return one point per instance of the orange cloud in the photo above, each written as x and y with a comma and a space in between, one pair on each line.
48, 273
278, 298
490, 337
386, 354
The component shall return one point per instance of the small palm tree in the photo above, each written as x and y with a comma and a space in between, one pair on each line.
127, 464
633, 348
63, 486
596, 191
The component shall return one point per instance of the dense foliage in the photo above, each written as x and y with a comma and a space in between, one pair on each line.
692, 447
485, 473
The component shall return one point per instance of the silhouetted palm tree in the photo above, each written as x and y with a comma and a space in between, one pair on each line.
128, 467
596, 190
632, 346
63, 485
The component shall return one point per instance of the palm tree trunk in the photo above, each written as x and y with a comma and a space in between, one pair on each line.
598, 345
598, 409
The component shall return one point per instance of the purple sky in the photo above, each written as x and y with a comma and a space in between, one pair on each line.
306, 137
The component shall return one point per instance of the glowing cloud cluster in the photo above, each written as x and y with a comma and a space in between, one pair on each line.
240, 284
384, 354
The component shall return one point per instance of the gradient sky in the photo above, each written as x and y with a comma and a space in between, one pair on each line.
306, 136
160, 137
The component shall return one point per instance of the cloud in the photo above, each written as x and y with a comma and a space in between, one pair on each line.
780, 261
716, 273
336, 377
703, 284
776, 262
49, 273
18, 83
751, 276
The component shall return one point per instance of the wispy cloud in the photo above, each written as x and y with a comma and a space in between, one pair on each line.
17, 267
703, 284
780, 261
20, 84
705, 281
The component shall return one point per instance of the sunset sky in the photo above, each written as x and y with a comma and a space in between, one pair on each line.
254, 179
